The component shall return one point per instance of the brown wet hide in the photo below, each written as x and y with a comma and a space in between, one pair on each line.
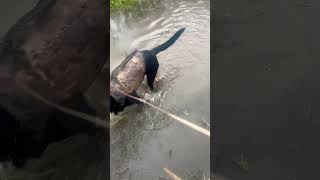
128, 76
57, 49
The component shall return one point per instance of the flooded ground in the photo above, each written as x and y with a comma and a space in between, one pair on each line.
145, 141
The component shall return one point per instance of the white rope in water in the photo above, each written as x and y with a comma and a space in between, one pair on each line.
181, 120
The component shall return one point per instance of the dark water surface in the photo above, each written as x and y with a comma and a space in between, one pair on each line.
267, 89
144, 141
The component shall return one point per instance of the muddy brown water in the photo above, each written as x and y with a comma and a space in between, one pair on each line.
144, 141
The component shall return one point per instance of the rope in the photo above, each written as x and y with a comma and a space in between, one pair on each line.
181, 120
171, 174
97, 121
102, 123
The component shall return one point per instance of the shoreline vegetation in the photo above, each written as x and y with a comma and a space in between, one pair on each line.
116, 5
